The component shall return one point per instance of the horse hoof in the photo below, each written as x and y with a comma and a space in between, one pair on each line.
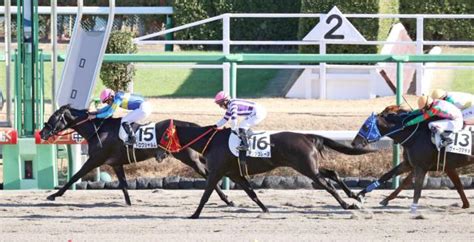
354, 206
384, 203
51, 198
194, 216
465, 206
360, 199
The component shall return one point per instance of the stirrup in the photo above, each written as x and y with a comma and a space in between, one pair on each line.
131, 140
242, 147
446, 142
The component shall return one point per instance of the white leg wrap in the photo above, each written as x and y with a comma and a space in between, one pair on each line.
413, 208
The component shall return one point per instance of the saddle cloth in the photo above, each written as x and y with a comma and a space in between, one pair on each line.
145, 136
259, 145
462, 141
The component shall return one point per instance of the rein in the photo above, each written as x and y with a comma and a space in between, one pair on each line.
68, 133
172, 136
197, 139
57, 133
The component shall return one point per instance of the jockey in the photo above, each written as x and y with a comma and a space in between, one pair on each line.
141, 109
452, 122
253, 113
462, 100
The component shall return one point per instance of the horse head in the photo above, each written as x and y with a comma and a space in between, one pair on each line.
376, 126
60, 120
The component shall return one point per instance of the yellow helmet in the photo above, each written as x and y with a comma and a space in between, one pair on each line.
424, 101
438, 93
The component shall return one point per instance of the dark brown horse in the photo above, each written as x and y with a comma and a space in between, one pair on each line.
420, 154
105, 147
295, 150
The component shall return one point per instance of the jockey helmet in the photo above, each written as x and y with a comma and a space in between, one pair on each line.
106, 94
424, 101
438, 94
221, 97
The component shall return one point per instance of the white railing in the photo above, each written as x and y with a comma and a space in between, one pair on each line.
99, 10
227, 42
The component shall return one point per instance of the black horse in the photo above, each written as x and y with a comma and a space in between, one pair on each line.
105, 147
295, 150
420, 154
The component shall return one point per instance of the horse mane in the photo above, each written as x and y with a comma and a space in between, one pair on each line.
395, 109
404, 114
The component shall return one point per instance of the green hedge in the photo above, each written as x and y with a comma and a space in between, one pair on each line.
117, 76
371, 29
440, 29
187, 11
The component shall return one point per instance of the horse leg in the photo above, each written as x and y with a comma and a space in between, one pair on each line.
318, 179
198, 167
453, 175
419, 178
244, 183
122, 182
212, 181
395, 193
88, 166
397, 170
202, 171
330, 174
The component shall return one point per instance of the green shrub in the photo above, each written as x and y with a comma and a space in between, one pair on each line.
371, 29
187, 11
440, 29
117, 75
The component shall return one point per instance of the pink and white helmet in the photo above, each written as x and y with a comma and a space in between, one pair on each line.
221, 97
105, 94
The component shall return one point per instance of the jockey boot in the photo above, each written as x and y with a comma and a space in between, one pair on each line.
244, 144
445, 139
131, 136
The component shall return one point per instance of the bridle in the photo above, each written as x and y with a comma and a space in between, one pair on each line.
55, 131
372, 133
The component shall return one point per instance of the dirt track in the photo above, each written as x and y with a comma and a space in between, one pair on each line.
295, 215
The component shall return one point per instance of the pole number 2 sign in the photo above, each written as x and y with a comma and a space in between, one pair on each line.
334, 26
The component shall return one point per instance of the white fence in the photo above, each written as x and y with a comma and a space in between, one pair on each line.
227, 41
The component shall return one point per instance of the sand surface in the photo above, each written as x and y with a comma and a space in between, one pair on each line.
295, 215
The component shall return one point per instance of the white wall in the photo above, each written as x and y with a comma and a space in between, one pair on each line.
342, 83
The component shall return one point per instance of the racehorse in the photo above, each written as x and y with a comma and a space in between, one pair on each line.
105, 147
295, 150
420, 154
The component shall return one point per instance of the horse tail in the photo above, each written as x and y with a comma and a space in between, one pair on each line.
338, 146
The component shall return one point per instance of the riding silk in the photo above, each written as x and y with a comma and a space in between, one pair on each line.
460, 99
253, 112
465, 102
124, 100
453, 120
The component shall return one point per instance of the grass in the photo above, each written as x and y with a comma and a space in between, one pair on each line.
463, 79
174, 82
177, 82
